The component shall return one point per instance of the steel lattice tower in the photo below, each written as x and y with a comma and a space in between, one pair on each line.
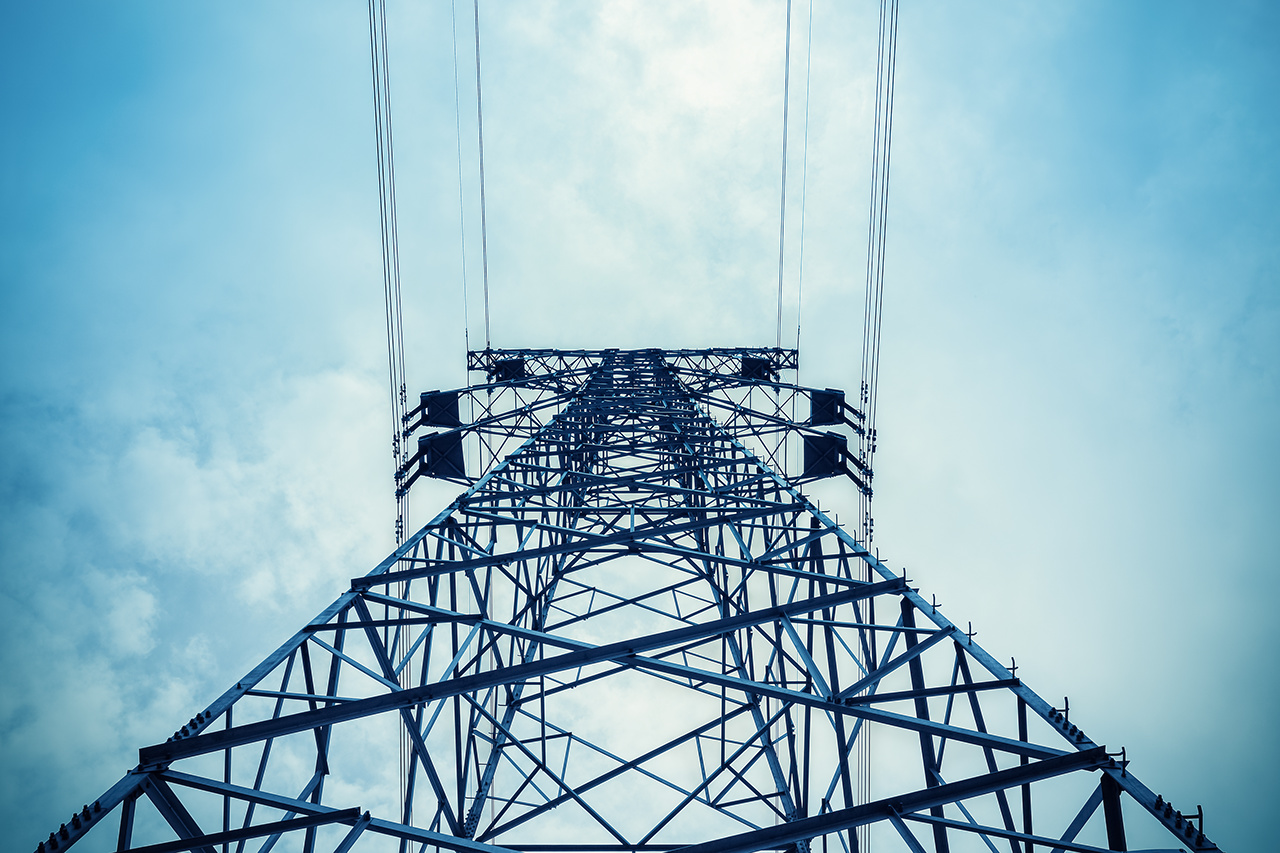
631, 632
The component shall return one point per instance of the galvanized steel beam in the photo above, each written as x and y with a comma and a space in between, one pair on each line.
631, 592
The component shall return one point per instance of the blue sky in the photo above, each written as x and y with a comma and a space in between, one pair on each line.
1080, 395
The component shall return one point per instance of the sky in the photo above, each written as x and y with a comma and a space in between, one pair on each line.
1080, 381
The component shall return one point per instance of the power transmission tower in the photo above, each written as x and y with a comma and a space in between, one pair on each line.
631, 632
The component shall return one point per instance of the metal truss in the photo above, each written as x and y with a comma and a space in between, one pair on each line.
631, 632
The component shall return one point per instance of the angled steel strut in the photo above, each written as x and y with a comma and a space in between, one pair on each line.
631, 632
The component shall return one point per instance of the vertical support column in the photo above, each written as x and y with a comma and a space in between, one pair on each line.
226, 777
1114, 816
940, 842
1026, 789
125, 839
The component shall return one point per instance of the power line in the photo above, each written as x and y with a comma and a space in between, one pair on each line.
782, 212
877, 226
484, 229
804, 180
385, 149
462, 210
877, 222
804, 191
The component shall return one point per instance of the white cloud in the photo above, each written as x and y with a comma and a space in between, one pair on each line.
1080, 355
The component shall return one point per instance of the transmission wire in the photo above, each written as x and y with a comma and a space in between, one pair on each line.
462, 211
884, 211
804, 181
484, 230
877, 226
390, 241
863, 389
804, 187
394, 306
782, 205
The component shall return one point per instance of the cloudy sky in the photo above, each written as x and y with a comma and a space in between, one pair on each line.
1080, 391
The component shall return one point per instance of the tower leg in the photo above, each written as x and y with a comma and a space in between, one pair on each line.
1114, 817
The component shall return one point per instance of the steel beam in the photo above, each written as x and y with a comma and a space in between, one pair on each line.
630, 526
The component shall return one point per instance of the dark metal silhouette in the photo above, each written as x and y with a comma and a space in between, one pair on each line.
630, 632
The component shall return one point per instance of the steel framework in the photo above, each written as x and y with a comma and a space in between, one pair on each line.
631, 632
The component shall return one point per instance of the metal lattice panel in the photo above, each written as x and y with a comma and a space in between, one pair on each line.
630, 633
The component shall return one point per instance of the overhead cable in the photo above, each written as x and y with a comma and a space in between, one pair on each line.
385, 147
877, 226
462, 208
484, 228
804, 180
782, 211
390, 242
